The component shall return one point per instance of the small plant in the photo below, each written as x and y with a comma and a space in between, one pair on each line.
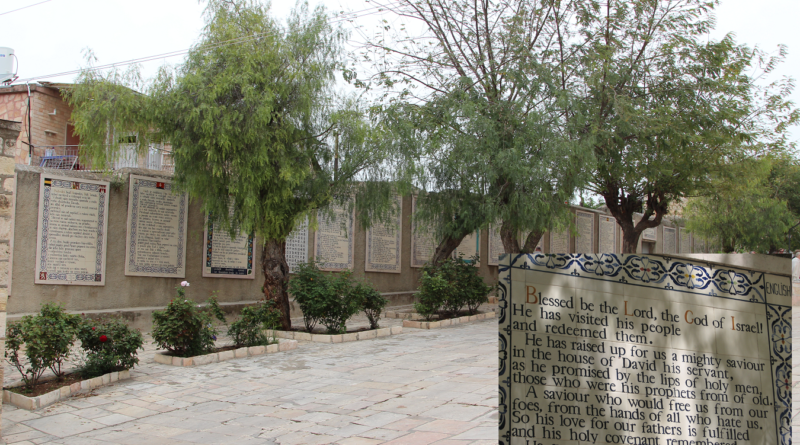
325, 298
184, 328
109, 344
308, 286
473, 289
46, 338
249, 329
433, 290
373, 302
448, 287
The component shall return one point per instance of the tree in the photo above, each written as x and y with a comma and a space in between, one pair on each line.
250, 116
665, 107
478, 108
751, 208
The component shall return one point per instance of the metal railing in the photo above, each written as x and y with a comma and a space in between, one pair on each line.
67, 157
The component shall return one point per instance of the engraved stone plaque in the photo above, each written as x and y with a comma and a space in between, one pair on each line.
669, 240
587, 356
384, 243
297, 246
72, 231
584, 243
608, 234
226, 257
156, 238
423, 240
686, 241
333, 240
559, 242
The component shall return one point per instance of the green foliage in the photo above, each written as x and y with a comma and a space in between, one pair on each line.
373, 302
249, 329
110, 346
46, 339
330, 299
447, 287
184, 328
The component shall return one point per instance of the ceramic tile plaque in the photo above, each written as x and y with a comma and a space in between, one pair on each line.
608, 234
584, 242
297, 246
669, 240
226, 257
156, 235
559, 242
333, 240
423, 240
635, 349
686, 241
72, 231
384, 243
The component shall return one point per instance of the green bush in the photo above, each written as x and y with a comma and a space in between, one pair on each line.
46, 339
325, 298
184, 328
110, 345
450, 286
373, 302
249, 329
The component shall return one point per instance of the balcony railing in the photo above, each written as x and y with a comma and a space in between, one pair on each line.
67, 157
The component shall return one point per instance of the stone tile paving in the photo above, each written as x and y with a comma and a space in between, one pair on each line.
421, 387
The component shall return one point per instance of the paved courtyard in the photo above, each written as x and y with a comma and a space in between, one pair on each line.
420, 387
795, 373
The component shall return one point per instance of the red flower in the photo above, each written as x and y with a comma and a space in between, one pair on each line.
93, 328
103, 339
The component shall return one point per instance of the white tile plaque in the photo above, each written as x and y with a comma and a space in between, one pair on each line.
226, 257
333, 240
297, 246
383, 246
156, 238
423, 239
608, 234
72, 231
559, 242
584, 242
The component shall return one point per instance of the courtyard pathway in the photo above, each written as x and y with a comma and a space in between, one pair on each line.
420, 387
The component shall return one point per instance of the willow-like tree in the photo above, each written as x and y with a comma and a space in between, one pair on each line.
477, 103
250, 116
665, 107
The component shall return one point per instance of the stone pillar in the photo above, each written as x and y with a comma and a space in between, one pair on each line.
9, 131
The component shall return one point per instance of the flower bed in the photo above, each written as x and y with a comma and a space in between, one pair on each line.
34, 403
339, 338
442, 323
252, 351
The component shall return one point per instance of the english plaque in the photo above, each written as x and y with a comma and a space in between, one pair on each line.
226, 257
72, 231
333, 240
384, 243
156, 236
642, 350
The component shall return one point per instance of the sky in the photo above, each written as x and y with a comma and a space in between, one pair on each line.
51, 37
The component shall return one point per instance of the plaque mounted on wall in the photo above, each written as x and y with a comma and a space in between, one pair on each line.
669, 240
584, 242
333, 240
225, 257
157, 222
608, 234
71, 236
383, 246
423, 240
297, 246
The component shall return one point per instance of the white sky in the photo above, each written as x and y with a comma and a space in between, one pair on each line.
50, 37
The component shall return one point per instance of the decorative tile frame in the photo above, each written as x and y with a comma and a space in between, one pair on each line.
350, 217
370, 265
666, 274
210, 271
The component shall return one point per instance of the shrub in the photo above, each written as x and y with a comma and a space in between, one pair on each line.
449, 286
433, 292
184, 328
249, 329
325, 298
47, 339
373, 302
473, 289
110, 345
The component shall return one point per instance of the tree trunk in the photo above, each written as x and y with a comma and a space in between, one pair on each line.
532, 241
509, 237
276, 278
445, 248
630, 239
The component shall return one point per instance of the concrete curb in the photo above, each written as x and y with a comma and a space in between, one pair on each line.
339, 338
448, 322
252, 351
34, 403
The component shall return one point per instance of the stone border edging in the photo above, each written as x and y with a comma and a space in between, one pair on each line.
340, 338
252, 351
34, 403
448, 322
